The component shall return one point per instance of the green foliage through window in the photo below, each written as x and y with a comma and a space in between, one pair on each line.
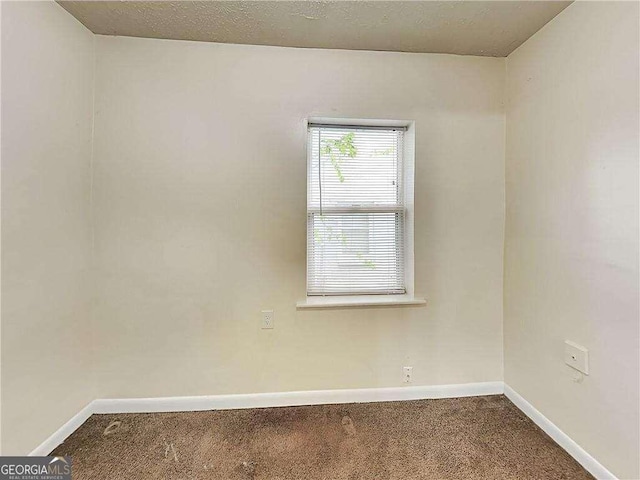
337, 150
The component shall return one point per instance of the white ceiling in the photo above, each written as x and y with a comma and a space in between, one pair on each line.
488, 28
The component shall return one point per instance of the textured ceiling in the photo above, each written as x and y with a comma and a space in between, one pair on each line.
493, 28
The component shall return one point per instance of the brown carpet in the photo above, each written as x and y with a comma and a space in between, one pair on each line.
465, 438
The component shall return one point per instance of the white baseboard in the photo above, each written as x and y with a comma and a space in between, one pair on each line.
261, 400
63, 432
319, 397
594, 467
290, 399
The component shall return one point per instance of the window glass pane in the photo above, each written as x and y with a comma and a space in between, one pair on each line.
354, 167
355, 253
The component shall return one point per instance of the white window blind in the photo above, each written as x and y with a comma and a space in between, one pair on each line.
355, 211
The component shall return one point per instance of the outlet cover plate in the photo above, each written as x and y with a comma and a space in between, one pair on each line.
267, 319
576, 356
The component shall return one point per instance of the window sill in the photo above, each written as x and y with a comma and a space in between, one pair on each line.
359, 301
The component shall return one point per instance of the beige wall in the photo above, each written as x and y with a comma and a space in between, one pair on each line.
200, 201
571, 258
47, 97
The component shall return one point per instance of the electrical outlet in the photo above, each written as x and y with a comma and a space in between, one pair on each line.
407, 374
576, 356
267, 319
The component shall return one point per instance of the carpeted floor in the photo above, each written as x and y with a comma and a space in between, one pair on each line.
465, 438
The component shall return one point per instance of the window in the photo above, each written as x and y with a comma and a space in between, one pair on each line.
356, 210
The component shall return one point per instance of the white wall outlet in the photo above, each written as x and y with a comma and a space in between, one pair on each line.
407, 374
267, 319
576, 356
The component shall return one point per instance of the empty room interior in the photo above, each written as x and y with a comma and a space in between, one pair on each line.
323, 240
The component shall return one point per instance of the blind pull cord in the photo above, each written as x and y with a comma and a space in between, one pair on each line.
320, 167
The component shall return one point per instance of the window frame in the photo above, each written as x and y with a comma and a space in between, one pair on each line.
407, 193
